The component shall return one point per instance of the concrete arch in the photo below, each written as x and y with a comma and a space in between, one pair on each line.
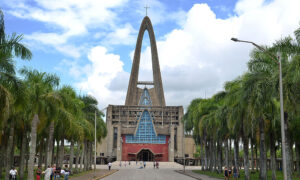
132, 92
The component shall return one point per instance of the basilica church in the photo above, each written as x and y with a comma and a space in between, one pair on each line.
145, 128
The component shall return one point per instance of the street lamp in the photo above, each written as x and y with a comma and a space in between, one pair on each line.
278, 61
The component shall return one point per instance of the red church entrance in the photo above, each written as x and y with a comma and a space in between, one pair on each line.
145, 155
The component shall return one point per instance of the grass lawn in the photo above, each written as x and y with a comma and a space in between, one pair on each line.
254, 176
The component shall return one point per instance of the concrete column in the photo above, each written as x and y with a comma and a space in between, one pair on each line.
171, 144
119, 144
180, 136
180, 139
110, 132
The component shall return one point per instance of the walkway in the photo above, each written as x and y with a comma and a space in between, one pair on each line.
196, 175
147, 174
90, 176
167, 170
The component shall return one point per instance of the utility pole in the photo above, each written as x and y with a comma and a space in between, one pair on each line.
282, 121
278, 61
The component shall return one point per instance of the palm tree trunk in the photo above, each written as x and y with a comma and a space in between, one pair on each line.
33, 132
298, 157
246, 157
50, 144
206, 155
2, 157
219, 153
210, 155
230, 154
82, 157
77, 158
41, 153
45, 150
236, 153
57, 153
215, 155
202, 155
9, 150
256, 159
86, 156
252, 155
53, 152
71, 156
91, 155
62, 152
287, 147
273, 154
262, 159
226, 153
22, 155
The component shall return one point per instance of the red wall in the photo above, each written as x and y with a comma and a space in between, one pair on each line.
135, 148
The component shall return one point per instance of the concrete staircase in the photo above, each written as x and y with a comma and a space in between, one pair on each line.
133, 164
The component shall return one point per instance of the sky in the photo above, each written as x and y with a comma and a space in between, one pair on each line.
90, 44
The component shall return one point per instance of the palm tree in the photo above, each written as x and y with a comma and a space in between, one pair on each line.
10, 47
41, 88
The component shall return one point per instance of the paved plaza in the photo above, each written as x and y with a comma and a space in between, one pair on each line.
147, 174
167, 170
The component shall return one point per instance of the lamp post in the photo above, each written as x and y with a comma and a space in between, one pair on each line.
278, 61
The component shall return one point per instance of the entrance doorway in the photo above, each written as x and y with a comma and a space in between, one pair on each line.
145, 155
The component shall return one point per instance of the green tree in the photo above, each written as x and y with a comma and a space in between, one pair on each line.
41, 88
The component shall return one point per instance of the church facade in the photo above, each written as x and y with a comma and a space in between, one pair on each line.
144, 129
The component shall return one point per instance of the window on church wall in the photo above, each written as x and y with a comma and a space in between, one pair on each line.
145, 132
115, 140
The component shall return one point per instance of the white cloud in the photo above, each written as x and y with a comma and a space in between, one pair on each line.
66, 19
197, 58
105, 68
124, 35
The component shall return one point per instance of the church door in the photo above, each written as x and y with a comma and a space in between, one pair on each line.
145, 155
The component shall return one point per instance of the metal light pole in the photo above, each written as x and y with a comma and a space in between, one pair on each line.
95, 145
278, 61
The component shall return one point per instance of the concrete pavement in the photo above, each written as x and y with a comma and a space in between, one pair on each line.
147, 174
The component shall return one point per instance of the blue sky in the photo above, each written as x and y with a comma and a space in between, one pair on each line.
90, 43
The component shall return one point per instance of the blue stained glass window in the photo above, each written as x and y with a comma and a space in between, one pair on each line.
145, 132
145, 99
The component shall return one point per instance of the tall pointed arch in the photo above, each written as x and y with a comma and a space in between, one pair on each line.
132, 92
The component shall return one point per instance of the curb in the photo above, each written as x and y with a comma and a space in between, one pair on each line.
103, 176
181, 172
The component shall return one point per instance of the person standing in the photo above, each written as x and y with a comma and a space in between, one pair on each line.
157, 165
13, 173
48, 173
230, 173
38, 173
144, 164
153, 164
57, 173
53, 172
109, 166
226, 173
235, 173
66, 172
